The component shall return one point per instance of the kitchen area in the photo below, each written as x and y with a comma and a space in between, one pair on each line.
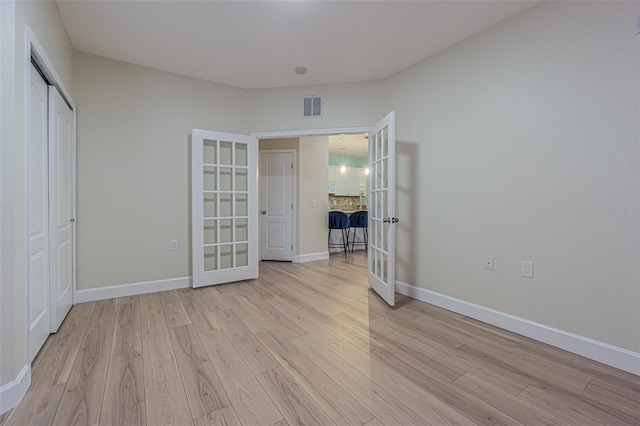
348, 183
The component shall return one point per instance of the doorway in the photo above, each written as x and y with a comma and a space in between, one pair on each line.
380, 199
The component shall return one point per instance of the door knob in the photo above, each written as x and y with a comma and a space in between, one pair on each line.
395, 220
263, 212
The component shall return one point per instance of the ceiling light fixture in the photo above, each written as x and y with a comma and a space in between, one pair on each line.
301, 70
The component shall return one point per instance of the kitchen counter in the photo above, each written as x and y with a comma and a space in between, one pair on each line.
349, 212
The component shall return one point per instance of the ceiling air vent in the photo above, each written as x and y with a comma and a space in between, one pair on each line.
311, 106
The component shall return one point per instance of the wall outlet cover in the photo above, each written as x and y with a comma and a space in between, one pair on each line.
526, 269
488, 263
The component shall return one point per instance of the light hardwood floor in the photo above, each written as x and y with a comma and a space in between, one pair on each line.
307, 344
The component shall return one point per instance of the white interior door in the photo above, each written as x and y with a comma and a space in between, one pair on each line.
38, 208
61, 204
276, 205
382, 220
224, 207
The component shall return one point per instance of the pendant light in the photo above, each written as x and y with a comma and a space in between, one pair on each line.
343, 169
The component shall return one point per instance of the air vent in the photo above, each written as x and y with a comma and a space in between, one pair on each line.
311, 106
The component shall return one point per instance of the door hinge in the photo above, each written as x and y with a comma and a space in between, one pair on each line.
292, 247
292, 165
291, 206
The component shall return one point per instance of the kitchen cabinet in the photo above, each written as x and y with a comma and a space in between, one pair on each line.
350, 183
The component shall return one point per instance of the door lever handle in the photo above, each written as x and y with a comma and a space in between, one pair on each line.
263, 212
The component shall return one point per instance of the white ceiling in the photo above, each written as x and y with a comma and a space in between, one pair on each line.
257, 44
349, 145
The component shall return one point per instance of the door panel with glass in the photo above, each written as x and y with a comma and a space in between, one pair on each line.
382, 218
224, 207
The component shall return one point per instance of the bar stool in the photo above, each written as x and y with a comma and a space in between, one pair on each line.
339, 220
360, 219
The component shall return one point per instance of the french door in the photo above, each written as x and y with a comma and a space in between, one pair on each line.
224, 207
382, 220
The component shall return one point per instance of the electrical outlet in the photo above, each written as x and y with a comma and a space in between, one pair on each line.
526, 269
174, 245
488, 263
314, 203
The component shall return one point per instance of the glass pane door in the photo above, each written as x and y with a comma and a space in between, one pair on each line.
382, 208
224, 215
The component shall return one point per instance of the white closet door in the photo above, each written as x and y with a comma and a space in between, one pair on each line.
61, 200
38, 189
224, 207
382, 220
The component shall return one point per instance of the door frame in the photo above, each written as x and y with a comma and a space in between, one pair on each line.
33, 48
297, 134
294, 197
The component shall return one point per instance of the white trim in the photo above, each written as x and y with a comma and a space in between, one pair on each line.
35, 49
133, 289
12, 393
302, 258
605, 353
316, 132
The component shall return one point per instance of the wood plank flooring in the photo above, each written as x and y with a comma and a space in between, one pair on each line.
307, 344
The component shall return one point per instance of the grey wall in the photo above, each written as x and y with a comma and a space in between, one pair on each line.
520, 143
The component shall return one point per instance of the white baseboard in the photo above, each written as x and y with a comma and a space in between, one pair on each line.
605, 353
310, 257
133, 289
12, 393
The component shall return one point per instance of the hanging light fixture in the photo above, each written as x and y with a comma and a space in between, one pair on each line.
343, 169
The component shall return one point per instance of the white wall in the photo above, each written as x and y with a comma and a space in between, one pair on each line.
516, 143
7, 229
133, 151
345, 105
46, 23
313, 171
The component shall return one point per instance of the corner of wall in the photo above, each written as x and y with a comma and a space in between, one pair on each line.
12, 393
